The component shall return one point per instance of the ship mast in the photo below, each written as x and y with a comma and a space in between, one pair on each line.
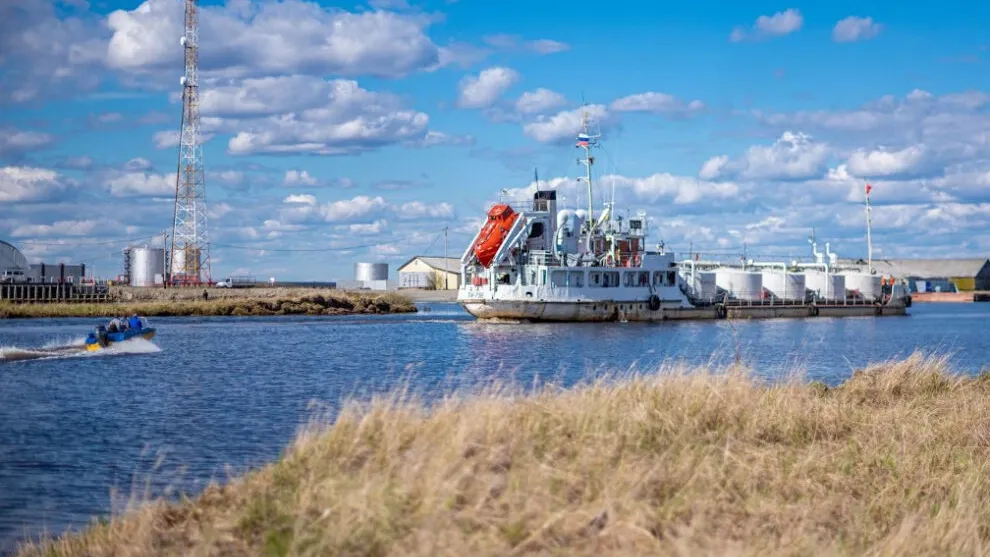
586, 141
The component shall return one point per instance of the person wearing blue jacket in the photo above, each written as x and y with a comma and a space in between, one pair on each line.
134, 322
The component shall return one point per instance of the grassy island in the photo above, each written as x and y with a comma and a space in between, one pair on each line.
154, 302
682, 462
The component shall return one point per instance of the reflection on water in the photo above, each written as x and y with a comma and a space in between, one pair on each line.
231, 391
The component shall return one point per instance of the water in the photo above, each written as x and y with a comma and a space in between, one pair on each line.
212, 396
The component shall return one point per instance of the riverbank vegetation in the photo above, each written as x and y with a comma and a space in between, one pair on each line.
186, 303
892, 462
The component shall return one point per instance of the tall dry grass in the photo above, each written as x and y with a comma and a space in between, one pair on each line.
311, 303
684, 462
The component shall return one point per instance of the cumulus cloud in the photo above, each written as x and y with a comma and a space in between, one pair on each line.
776, 25
852, 29
792, 156
298, 178
42, 54
57, 228
418, 210
335, 117
484, 89
249, 38
14, 141
539, 101
142, 184
886, 163
515, 42
438, 139
26, 183
658, 103
305, 199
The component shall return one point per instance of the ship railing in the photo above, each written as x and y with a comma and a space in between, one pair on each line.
764, 298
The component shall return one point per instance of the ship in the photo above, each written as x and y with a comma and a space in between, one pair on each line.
530, 261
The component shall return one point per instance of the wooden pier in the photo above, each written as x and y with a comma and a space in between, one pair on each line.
54, 293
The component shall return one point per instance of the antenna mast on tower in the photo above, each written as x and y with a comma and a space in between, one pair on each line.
189, 254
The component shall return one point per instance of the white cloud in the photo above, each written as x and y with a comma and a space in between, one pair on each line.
305, 199
372, 229
854, 28
565, 125
418, 210
142, 184
886, 163
514, 42
347, 119
249, 37
58, 228
791, 156
436, 139
25, 183
298, 177
679, 190
17, 141
484, 89
360, 207
660, 103
169, 139
539, 101
776, 25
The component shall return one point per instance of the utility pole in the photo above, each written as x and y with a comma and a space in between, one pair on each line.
869, 233
446, 275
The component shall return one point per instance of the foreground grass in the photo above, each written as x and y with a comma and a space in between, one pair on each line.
893, 462
325, 303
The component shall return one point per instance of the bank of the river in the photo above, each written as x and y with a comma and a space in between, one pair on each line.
891, 462
153, 302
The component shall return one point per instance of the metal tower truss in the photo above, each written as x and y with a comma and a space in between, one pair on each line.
189, 255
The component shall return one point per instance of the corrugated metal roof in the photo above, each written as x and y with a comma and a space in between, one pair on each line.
923, 268
450, 264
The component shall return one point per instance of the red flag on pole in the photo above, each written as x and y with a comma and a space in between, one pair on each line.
868, 188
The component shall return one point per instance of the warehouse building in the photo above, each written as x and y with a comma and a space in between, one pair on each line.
431, 273
922, 275
13, 265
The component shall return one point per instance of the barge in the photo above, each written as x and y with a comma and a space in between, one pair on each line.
535, 263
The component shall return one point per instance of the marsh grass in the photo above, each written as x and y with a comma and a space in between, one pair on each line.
301, 303
684, 461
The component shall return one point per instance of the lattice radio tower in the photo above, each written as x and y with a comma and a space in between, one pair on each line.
189, 254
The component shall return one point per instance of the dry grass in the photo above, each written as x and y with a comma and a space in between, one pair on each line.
306, 302
893, 462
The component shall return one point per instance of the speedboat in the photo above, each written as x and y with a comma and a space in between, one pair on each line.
102, 338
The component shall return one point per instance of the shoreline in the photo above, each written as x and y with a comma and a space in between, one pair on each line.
189, 303
695, 460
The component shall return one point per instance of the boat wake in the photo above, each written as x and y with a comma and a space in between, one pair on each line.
76, 349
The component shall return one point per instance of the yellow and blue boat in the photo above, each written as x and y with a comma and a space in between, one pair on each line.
102, 338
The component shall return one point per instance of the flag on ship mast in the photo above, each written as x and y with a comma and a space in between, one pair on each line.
582, 140
868, 188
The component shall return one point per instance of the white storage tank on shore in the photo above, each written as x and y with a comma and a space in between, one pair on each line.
863, 286
701, 286
367, 272
788, 287
146, 266
740, 284
830, 287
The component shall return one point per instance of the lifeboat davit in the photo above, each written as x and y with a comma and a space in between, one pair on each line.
500, 220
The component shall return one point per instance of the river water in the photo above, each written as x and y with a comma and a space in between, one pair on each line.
209, 397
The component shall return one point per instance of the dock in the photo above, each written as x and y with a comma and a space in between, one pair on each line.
54, 293
972, 296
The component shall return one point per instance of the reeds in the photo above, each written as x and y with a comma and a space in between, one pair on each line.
893, 462
308, 304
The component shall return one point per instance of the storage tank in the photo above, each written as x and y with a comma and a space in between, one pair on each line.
179, 266
831, 287
863, 286
740, 284
370, 271
788, 287
146, 266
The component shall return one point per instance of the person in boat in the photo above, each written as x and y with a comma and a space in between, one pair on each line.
114, 325
134, 322
97, 336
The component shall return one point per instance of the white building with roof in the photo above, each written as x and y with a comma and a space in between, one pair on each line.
431, 273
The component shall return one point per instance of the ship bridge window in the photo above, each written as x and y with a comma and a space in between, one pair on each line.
658, 278
610, 278
595, 278
671, 278
536, 231
644, 278
577, 278
630, 278
558, 278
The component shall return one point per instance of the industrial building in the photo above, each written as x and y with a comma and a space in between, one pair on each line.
432, 273
13, 264
927, 275
14, 268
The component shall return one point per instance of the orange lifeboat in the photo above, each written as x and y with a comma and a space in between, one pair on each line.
500, 220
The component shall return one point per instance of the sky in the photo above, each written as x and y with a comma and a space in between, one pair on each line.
344, 132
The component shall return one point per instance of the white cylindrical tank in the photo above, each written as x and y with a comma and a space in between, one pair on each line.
370, 271
788, 287
831, 287
863, 286
704, 285
147, 266
740, 284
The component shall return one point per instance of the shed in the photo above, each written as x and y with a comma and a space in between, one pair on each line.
965, 274
432, 273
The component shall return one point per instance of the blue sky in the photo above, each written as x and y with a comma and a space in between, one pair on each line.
333, 126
